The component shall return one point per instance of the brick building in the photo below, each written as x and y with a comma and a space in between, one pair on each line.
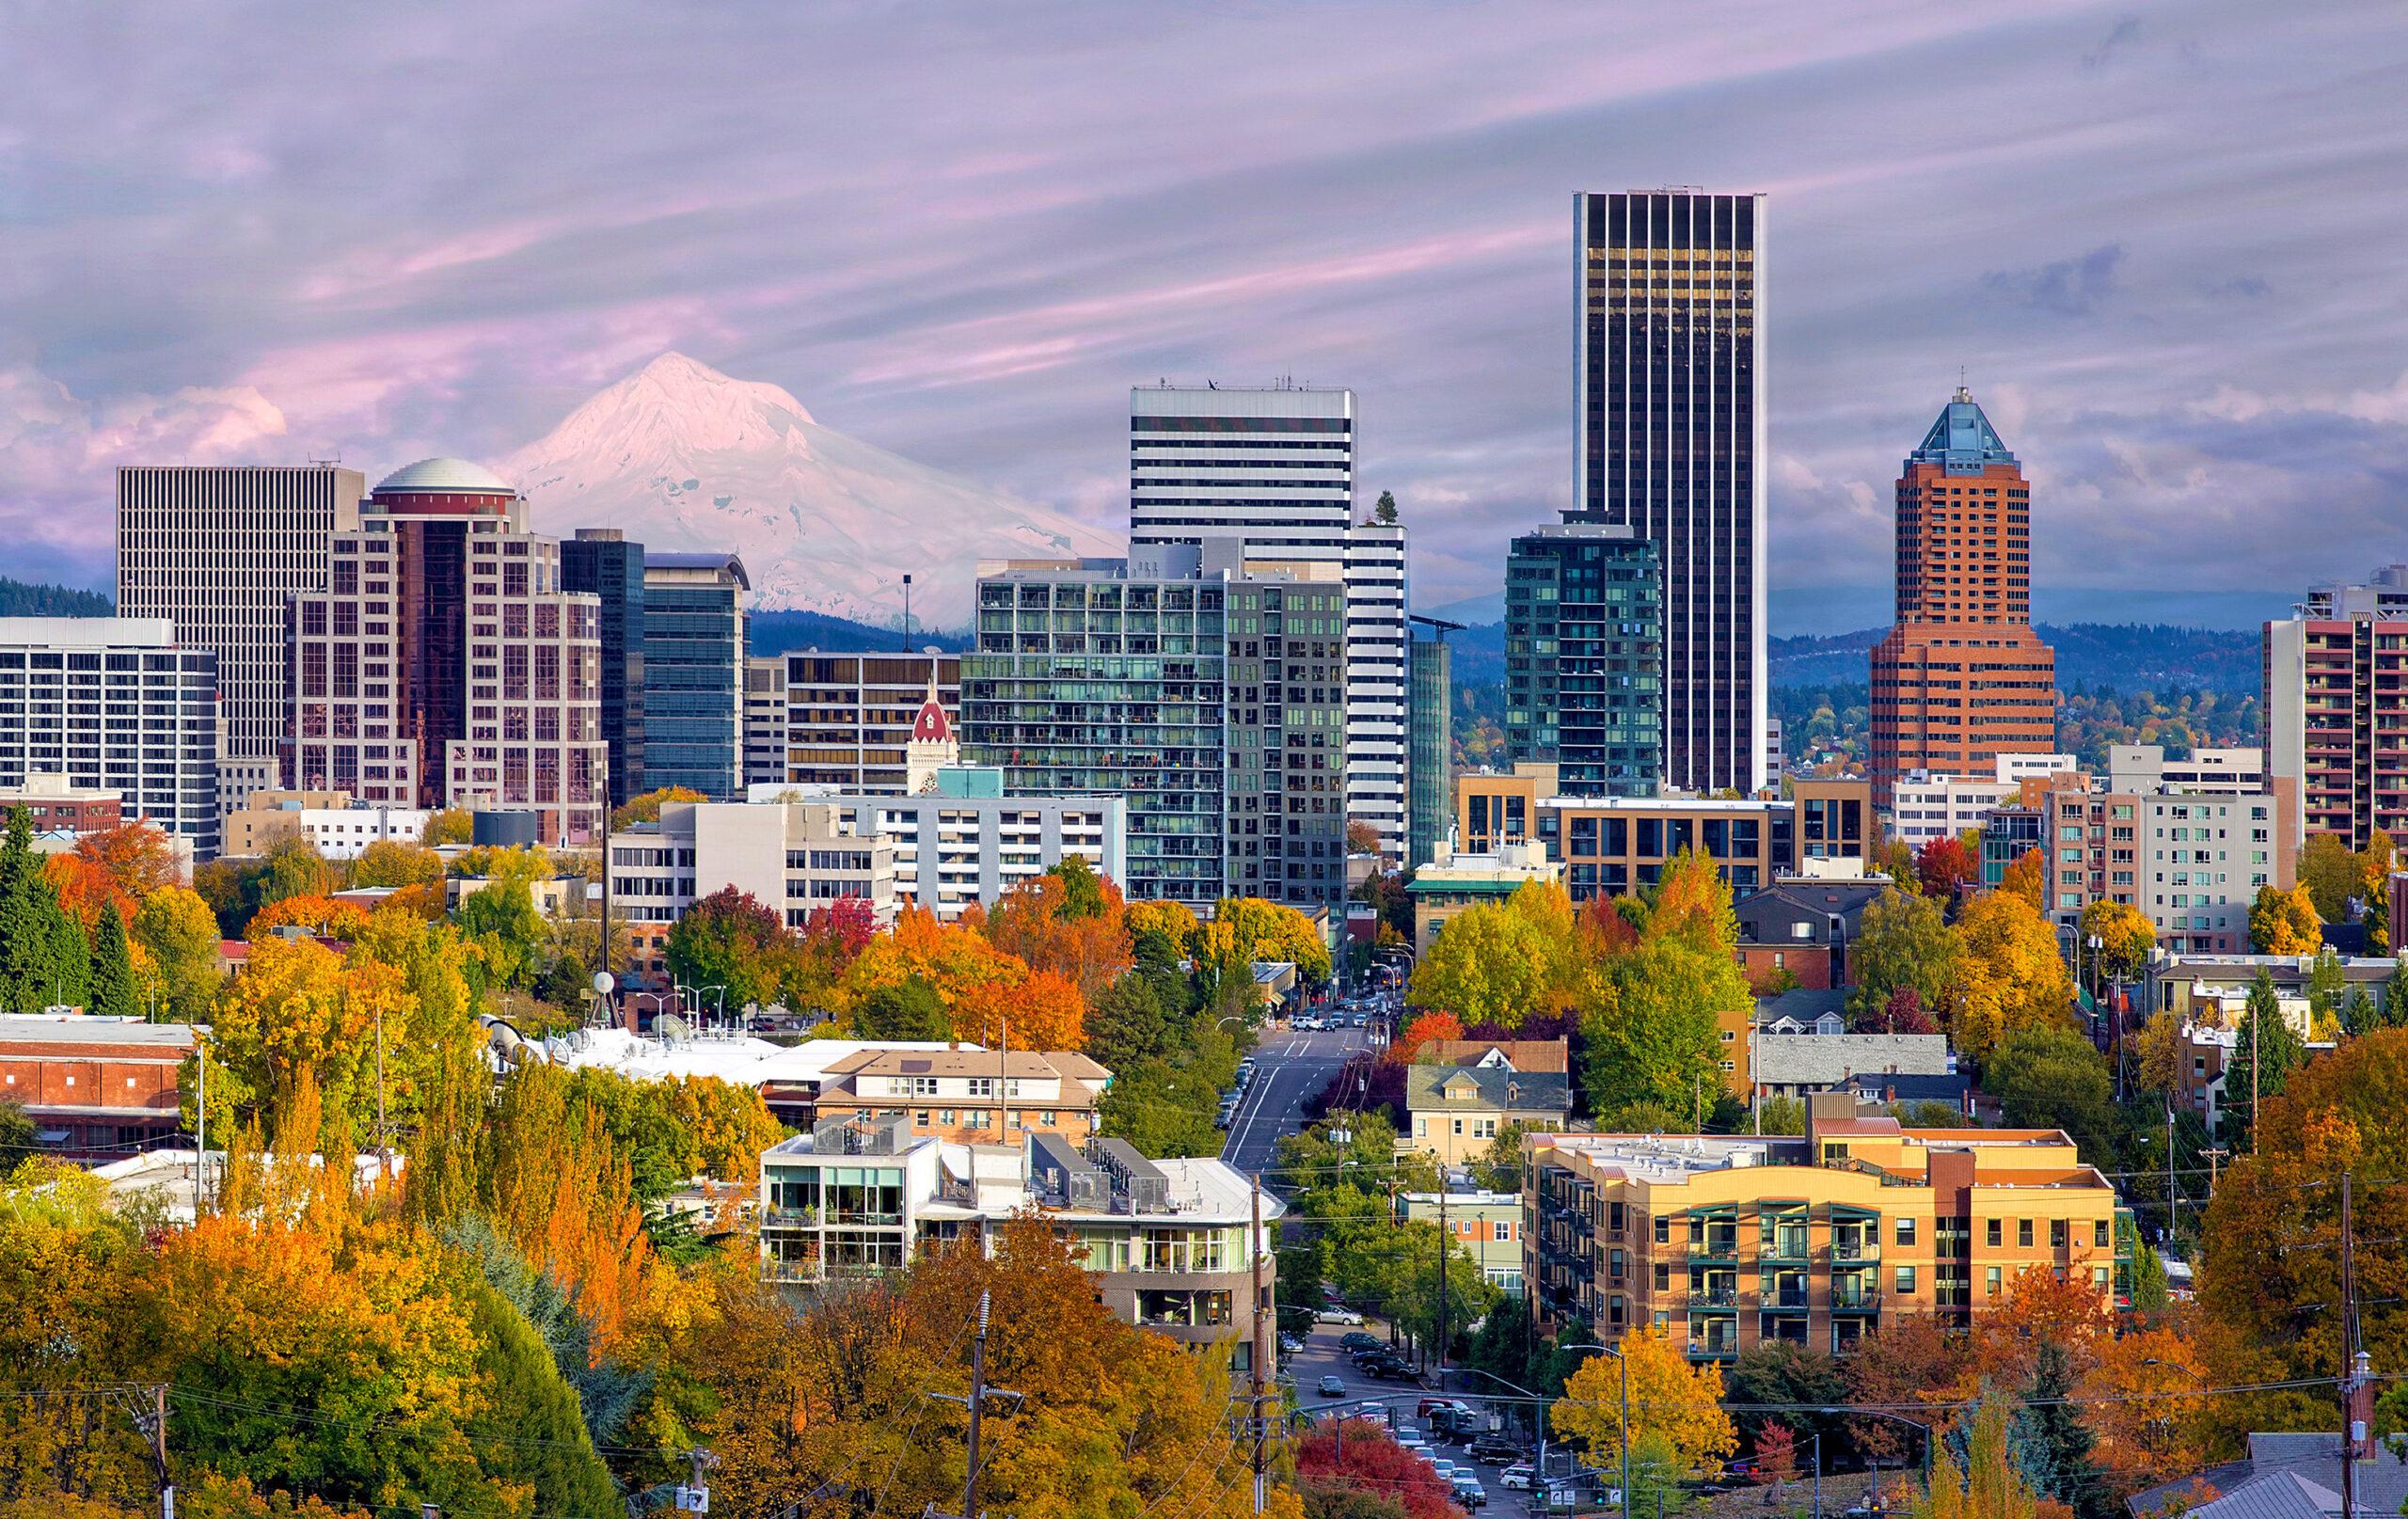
94, 1086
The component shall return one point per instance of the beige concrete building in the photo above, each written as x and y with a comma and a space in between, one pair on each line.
1451, 883
331, 821
970, 1095
794, 859
1732, 1241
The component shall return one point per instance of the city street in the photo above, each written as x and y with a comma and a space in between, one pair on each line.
1288, 1068
1368, 1398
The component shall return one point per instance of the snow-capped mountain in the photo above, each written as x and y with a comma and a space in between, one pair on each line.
682, 458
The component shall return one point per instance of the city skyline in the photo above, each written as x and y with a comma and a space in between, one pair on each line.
2096, 232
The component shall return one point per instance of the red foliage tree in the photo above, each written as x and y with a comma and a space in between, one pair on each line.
1421, 1032
1904, 1013
1360, 1455
1945, 866
844, 927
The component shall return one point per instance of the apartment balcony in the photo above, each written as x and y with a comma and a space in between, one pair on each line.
790, 1218
1723, 1249
1786, 1300
1714, 1299
1857, 1252
1850, 1299
1715, 1346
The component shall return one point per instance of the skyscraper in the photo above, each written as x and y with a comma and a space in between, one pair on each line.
1584, 657
1961, 679
1433, 765
439, 664
1670, 441
215, 551
113, 705
1274, 468
601, 562
2336, 696
693, 674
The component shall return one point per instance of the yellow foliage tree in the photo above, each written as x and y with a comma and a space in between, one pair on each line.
2285, 923
2027, 877
2014, 977
1670, 1399
1990, 1484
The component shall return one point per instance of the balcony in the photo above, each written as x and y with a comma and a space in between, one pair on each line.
1856, 1252
1715, 1247
1791, 1244
790, 1218
1714, 1346
1852, 1298
1714, 1299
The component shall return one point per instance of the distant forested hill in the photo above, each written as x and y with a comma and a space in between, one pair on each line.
2118, 657
782, 632
19, 599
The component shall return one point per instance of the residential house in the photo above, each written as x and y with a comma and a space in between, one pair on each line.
1795, 1065
1514, 1054
968, 1096
1455, 1113
1488, 1225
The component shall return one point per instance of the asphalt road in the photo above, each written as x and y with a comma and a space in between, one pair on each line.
1288, 1068
1368, 1398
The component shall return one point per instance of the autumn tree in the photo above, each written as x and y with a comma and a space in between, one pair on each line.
1945, 866
2285, 922
1986, 1480
1036, 1010
392, 862
2329, 873
645, 807
1068, 921
2012, 973
177, 931
1691, 902
1904, 1013
1903, 941
1656, 1039
1247, 929
2049, 1076
730, 941
2125, 938
1670, 1400
136, 857
453, 825
2027, 875
84, 890
2264, 1054
321, 917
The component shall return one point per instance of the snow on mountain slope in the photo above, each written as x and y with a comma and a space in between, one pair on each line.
683, 458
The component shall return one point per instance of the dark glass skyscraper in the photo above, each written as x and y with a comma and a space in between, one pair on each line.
693, 672
1669, 442
1584, 657
1429, 769
602, 561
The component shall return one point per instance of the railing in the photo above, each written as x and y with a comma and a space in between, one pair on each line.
792, 1218
1787, 1299
1712, 1249
1785, 1244
1845, 1299
1865, 1251
1714, 1297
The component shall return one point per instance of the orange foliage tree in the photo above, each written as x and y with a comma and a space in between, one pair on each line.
1041, 1010
321, 916
86, 890
1084, 938
137, 855
1423, 1029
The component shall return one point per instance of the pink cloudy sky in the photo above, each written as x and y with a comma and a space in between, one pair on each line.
2162, 240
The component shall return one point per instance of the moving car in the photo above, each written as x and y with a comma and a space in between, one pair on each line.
1291, 1344
1354, 1338
1339, 1314
1469, 1493
1491, 1451
1516, 1476
1332, 1386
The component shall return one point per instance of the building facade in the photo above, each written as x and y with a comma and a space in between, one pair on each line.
52, 803
1210, 695
1962, 679
1488, 1225
1731, 1242
1378, 673
1171, 1246
693, 672
970, 1095
330, 821
1669, 439
1449, 884
1611, 846
440, 664
215, 551
765, 721
603, 564
793, 859
117, 705
2192, 860
2336, 685
1584, 657
1924, 806
850, 716
93, 1084
960, 845
1430, 770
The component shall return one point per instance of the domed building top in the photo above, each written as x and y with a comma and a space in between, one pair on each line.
456, 477
932, 726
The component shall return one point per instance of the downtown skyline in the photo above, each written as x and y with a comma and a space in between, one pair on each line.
2091, 209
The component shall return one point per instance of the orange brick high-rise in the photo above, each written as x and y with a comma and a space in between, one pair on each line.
1961, 679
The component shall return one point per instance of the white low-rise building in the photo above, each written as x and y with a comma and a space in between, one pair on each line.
1925, 807
334, 824
795, 859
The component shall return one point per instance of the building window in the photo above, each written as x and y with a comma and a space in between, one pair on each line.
1906, 1231
1993, 1235
1905, 1279
2056, 1234
1990, 1281
2023, 1233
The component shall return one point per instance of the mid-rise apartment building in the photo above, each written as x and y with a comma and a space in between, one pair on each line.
1962, 679
1584, 656
1670, 440
1611, 846
439, 664
850, 716
2192, 859
2336, 706
52, 803
1728, 1242
1925, 807
1172, 1246
965, 842
1488, 1225
1378, 675
693, 672
765, 721
215, 550
94, 1086
603, 564
1206, 690
117, 705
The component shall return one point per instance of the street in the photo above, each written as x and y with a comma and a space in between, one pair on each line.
1368, 1398
1288, 1068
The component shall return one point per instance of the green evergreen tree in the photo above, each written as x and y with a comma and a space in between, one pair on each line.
2065, 1442
2359, 1016
114, 993
2394, 1008
24, 938
2265, 1054
70, 953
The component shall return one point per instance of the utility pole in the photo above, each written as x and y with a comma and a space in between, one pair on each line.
2170, 1196
975, 1404
153, 1422
1818, 1474
1444, 1239
2352, 1428
201, 1125
1258, 1426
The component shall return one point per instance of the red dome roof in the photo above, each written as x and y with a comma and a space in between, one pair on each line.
932, 726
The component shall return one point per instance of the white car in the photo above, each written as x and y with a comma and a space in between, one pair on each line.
1335, 1314
1516, 1476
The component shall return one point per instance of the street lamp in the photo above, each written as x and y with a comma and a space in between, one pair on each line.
1615, 1351
1872, 1413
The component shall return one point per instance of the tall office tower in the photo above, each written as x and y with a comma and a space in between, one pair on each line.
1669, 355
439, 664
1208, 694
1274, 468
1432, 766
850, 716
601, 562
215, 551
1378, 723
1584, 657
1961, 679
693, 674
2336, 696
115, 704
765, 719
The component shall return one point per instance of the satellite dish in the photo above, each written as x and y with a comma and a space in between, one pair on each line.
602, 983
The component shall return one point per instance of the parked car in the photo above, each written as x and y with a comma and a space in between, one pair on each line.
1492, 1451
1339, 1314
1354, 1338
1334, 1386
1516, 1476
1388, 1371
